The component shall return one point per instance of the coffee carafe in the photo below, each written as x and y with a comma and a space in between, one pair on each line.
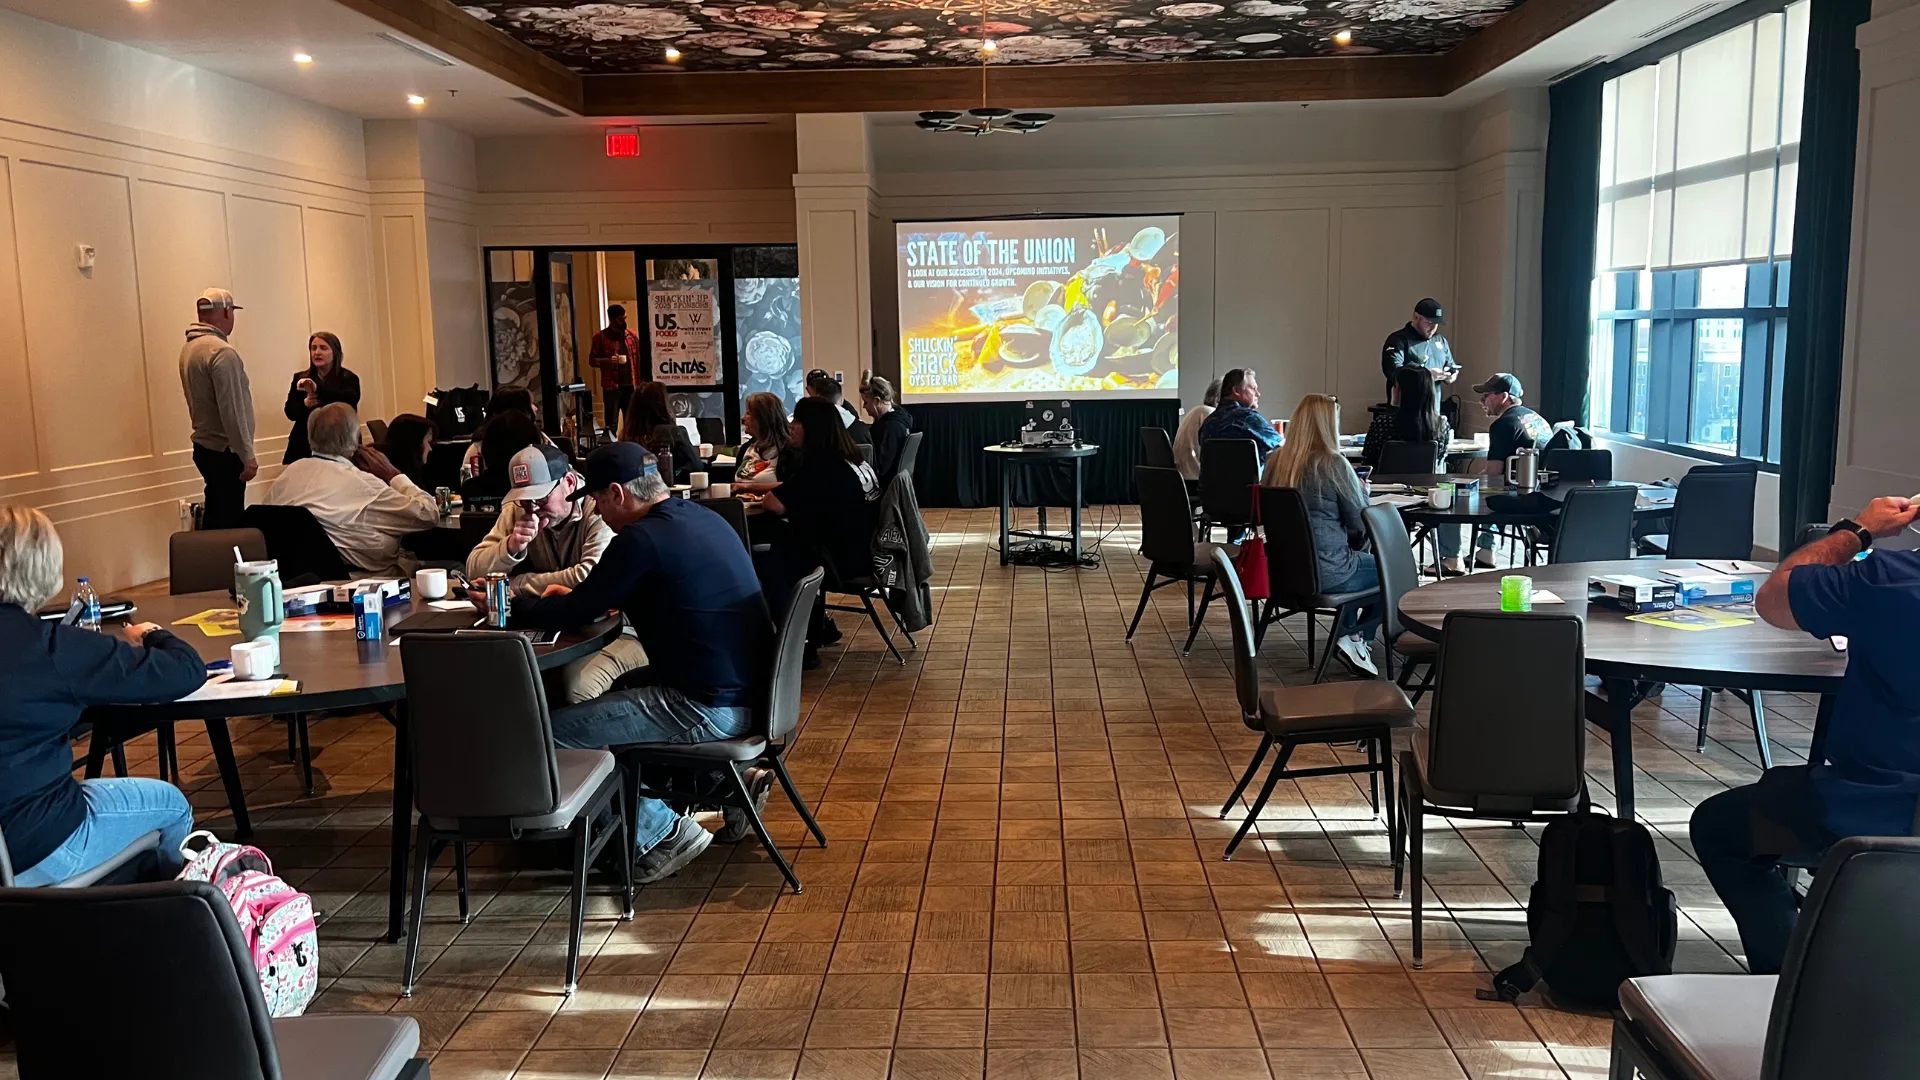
256, 587
1523, 470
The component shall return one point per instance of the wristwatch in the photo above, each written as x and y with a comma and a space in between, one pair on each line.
1849, 525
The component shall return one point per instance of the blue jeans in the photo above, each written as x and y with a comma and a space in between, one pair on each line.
1451, 540
118, 811
1365, 576
646, 714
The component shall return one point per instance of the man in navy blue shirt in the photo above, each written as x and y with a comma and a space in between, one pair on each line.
1238, 415
686, 584
1869, 780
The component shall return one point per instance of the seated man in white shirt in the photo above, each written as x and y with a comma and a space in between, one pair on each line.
1186, 442
363, 502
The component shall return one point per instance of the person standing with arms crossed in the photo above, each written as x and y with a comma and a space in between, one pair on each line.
220, 406
616, 352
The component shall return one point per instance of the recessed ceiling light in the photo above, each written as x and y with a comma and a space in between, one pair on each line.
416, 100
989, 45
673, 53
1344, 37
138, 3
302, 58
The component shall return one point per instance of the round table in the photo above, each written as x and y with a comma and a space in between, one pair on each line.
1011, 456
1422, 518
1632, 658
335, 671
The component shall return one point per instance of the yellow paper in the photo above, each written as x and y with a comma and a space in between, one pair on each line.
1690, 618
215, 622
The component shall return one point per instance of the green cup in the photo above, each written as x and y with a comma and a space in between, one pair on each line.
1516, 593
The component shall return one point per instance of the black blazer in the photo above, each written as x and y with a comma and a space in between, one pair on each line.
340, 385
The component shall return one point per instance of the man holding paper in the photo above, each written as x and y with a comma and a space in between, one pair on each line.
1869, 781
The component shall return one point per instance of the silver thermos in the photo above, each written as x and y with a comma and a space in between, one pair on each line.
1523, 470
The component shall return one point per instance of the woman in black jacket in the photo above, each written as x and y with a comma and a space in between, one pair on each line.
828, 497
56, 826
891, 425
325, 381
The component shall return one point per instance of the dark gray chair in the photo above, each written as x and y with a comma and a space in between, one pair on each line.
1367, 712
126, 858
1393, 554
202, 560
1403, 458
1845, 1004
713, 429
909, 453
1712, 515
1171, 544
713, 773
485, 769
1293, 573
377, 432
735, 512
1506, 740
155, 981
1229, 469
1596, 525
1570, 465
1156, 448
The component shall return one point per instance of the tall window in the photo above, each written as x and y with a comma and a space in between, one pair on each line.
1699, 156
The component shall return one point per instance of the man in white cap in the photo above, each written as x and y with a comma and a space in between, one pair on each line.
546, 537
220, 406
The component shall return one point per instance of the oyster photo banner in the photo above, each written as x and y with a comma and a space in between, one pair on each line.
681, 316
1004, 310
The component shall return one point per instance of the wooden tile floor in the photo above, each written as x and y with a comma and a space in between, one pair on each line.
1023, 883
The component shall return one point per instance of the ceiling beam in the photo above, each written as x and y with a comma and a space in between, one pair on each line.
1519, 30
445, 27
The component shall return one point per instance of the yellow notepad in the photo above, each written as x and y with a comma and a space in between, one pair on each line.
1690, 618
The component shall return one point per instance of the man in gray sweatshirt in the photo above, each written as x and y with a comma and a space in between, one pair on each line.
220, 404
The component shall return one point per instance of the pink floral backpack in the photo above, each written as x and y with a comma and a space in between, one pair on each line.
275, 919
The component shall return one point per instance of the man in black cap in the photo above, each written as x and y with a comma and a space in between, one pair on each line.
686, 584
1514, 426
1420, 342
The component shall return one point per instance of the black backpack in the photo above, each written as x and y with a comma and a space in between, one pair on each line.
1597, 916
457, 413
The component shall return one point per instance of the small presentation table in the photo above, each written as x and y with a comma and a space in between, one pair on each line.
1009, 457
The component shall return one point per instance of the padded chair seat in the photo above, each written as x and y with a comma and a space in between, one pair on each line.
1335, 706
140, 846
1713, 1027
345, 1047
1412, 644
747, 748
582, 774
1328, 601
1412, 766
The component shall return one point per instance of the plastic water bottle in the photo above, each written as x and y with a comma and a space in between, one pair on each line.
89, 605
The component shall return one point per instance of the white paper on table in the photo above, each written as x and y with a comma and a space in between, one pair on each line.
1543, 596
452, 605
1734, 567
228, 688
1398, 500
724, 459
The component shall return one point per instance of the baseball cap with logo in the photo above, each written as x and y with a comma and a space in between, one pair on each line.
1502, 383
615, 463
533, 472
217, 298
1429, 308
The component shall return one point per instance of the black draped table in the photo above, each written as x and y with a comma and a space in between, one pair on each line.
954, 470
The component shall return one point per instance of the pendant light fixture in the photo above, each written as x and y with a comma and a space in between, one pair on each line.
987, 119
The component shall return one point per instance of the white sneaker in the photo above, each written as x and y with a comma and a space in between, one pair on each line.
1484, 558
1357, 654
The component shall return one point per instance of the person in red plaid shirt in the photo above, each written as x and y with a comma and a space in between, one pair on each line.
616, 352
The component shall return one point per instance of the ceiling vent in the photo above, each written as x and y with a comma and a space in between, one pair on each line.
540, 107
1576, 69
1675, 23
416, 50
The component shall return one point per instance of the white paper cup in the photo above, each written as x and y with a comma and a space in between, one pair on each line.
706, 452
719, 491
430, 584
252, 659
697, 481
1440, 497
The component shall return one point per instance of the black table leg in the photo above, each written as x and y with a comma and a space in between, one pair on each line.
402, 823
222, 743
1006, 508
1614, 715
1075, 530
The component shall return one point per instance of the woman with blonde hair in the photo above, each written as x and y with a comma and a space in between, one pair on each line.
1310, 462
57, 827
891, 425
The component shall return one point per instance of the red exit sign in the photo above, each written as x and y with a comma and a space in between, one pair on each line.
623, 142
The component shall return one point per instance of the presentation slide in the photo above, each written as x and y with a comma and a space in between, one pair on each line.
1054, 307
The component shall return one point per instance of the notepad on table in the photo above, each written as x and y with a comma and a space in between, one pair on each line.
229, 688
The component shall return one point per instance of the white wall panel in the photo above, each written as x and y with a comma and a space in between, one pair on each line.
459, 302
340, 298
1389, 257
183, 251
270, 283
1271, 300
19, 454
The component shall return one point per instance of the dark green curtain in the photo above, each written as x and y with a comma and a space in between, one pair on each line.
1571, 205
1822, 236
953, 470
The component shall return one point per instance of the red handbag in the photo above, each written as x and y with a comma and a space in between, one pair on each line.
1251, 564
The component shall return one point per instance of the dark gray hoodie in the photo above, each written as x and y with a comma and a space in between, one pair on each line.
219, 399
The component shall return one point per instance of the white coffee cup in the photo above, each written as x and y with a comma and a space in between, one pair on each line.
697, 481
719, 491
430, 584
1440, 497
706, 454
252, 659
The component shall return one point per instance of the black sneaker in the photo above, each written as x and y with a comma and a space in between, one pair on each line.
829, 632
738, 827
665, 859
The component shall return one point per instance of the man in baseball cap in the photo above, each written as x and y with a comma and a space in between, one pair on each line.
1514, 426
1420, 342
220, 407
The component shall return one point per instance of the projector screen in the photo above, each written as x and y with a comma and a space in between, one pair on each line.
1054, 307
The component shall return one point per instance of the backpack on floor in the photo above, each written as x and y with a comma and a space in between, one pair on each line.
1598, 914
275, 919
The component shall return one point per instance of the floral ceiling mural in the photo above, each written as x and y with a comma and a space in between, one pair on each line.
731, 35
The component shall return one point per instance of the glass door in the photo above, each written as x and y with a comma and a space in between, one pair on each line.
689, 300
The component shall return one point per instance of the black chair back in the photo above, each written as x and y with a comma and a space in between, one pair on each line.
1808, 534
783, 689
1156, 448
1246, 667
1713, 513
202, 561
1596, 524
478, 725
735, 512
1412, 458
1228, 470
298, 542
150, 981
1508, 726
909, 453
377, 432
1292, 569
712, 429
1848, 1001
1166, 524
1393, 555
1571, 465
